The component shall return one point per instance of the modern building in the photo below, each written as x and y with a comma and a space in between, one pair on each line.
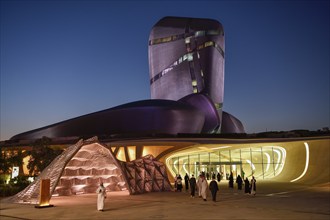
186, 59
142, 165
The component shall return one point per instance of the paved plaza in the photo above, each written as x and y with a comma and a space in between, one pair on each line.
273, 201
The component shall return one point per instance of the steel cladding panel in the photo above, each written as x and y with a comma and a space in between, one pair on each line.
174, 85
161, 56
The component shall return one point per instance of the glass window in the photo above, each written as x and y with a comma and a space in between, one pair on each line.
190, 56
209, 43
213, 32
199, 33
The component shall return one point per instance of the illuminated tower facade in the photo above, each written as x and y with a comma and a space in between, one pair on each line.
186, 56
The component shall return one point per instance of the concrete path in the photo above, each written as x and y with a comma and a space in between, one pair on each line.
273, 201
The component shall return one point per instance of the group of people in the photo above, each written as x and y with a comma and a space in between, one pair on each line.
250, 187
201, 185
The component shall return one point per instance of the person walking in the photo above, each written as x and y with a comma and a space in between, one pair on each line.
214, 189
192, 182
207, 175
179, 183
101, 196
239, 182
186, 181
253, 186
176, 182
218, 177
231, 180
204, 187
247, 185
199, 185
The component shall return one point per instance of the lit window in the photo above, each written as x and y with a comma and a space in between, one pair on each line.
198, 55
187, 40
166, 39
190, 56
199, 33
131, 152
200, 47
213, 32
209, 43
195, 90
194, 83
202, 74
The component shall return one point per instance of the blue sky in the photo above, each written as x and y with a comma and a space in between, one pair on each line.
63, 59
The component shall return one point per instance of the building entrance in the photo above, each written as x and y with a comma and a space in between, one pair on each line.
223, 168
261, 162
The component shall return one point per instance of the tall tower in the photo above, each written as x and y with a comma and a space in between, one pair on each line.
186, 56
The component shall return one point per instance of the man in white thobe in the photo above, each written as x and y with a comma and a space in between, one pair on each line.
204, 188
101, 195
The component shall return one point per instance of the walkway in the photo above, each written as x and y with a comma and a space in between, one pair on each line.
273, 201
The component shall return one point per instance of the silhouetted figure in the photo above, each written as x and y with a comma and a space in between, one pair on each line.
214, 189
231, 180
239, 182
247, 185
207, 175
218, 177
186, 181
213, 175
176, 182
253, 186
179, 183
192, 182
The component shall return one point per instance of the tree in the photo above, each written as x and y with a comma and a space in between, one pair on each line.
41, 155
4, 162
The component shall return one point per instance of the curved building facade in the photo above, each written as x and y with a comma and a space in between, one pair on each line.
186, 60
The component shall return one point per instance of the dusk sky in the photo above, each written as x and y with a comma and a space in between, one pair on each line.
63, 59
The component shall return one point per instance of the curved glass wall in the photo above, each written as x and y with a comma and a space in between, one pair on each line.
262, 162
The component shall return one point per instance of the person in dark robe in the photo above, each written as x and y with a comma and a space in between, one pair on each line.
192, 182
218, 177
239, 182
179, 183
176, 182
207, 175
231, 180
213, 175
253, 186
247, 185
186, 181
214, 189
